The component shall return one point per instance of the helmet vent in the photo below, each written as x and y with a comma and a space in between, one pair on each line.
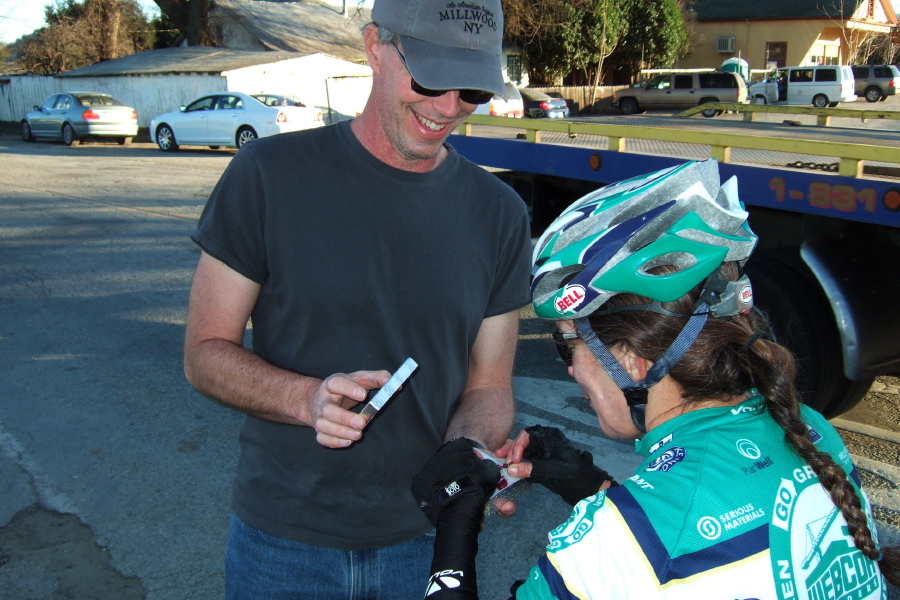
676, 261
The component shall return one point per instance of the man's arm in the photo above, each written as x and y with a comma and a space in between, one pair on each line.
486, 411
217, 364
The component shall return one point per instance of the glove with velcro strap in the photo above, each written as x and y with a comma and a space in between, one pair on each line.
452, 489
453, 473
561, 467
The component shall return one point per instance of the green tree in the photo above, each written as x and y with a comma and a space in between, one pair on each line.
191, 17
83, 33
560, 37
656, 37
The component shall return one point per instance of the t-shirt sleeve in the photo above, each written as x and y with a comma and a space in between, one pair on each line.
231, 226
511, 290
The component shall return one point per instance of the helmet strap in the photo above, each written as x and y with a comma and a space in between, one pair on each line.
636, 393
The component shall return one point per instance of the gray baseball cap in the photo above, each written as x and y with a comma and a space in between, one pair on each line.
448, 44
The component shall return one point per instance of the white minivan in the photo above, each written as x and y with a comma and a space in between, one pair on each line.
820, 86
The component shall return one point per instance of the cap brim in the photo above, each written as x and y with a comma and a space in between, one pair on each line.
439, 67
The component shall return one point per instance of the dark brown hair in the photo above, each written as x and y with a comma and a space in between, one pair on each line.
719, 366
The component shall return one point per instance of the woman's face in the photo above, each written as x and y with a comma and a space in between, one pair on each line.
605, 397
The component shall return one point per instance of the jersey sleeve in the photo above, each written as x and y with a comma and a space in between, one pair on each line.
231, 228
592, 555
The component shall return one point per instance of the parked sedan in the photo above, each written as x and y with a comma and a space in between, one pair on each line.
74, 116
228, 119
538, 104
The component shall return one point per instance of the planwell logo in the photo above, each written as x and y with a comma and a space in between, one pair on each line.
569, 298
748, 449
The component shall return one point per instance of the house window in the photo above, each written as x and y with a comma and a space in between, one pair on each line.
776, 54
514, 68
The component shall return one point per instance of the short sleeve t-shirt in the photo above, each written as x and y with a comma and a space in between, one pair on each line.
361, 266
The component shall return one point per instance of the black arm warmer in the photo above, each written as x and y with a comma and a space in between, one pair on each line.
455, 547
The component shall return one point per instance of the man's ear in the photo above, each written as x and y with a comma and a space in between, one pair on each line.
373, 47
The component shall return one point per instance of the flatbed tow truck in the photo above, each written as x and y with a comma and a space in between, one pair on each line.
827, 268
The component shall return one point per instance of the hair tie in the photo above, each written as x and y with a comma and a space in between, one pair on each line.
750, 341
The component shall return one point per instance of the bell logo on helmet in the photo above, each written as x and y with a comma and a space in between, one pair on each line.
746, 295
569, 299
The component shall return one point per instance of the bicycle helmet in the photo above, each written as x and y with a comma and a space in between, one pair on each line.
605, 243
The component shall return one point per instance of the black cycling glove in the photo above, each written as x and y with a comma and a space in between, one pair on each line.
452, 489
454, 472
561, 467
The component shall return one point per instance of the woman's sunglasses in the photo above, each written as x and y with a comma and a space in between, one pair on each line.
561, 342
470, 96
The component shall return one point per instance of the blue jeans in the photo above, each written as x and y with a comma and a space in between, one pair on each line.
259, 566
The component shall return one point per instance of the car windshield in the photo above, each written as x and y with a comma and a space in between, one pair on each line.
97, 100
534, 95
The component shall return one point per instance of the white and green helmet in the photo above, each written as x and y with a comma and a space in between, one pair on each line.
607, 242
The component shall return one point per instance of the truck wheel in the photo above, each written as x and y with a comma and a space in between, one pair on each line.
628, 106
763, 98
820, 101
709, 113
873, 94
802, 320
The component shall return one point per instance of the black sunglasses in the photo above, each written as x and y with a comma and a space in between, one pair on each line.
561, 342
470, 96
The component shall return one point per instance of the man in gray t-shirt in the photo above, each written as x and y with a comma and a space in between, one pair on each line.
351, 248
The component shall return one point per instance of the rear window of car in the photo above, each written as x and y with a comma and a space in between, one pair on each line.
718, 80
826, 74
97, 100
884, 72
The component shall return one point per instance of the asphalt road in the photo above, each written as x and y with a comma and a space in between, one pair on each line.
115, 475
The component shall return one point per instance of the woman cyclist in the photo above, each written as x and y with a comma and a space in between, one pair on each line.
743, 493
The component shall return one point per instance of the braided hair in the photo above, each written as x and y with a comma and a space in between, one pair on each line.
727, 359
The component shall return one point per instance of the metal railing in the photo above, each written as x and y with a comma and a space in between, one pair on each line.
851, 156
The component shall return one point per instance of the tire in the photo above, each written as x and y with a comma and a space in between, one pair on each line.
68, 135
763, 98
244, 134
628, 106
165, 138
709, 113
25, 130
833, 104
124, 141
873, 94
802, 320
820, 101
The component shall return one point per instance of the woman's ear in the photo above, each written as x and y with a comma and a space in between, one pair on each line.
635, 365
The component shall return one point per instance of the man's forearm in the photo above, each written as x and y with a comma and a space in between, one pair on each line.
237, 377
485, 415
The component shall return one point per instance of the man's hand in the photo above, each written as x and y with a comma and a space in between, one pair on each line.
329, 409
556, 464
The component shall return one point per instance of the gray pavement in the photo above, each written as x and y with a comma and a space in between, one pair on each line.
115, 475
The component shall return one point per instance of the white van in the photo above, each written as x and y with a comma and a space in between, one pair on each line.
819, 86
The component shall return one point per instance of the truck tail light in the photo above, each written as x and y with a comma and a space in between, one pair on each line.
134, 115
89, 115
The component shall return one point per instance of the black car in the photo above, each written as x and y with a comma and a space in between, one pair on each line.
538, 104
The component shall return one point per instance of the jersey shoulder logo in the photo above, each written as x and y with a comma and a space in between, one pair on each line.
668, 459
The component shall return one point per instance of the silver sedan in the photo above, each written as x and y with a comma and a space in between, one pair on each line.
73, 116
